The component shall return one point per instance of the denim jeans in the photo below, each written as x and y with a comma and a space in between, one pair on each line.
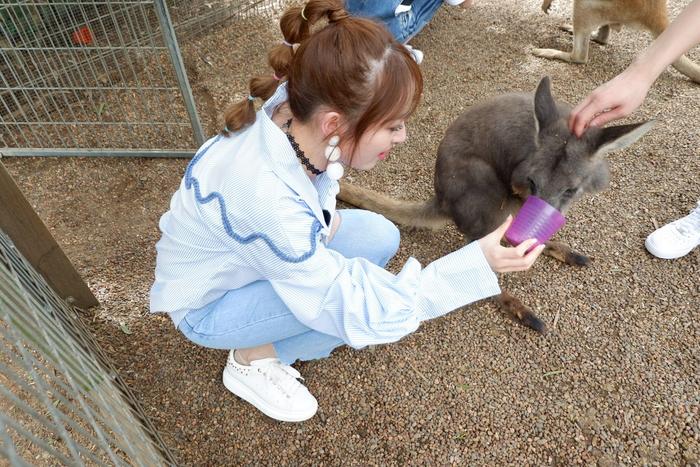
254, 315
404, 26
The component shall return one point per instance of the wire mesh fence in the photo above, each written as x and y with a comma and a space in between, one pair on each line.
61, 401
103, 77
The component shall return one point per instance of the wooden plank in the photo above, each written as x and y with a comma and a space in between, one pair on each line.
31, 237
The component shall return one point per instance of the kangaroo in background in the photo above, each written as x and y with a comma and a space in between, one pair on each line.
593, 19
496, 154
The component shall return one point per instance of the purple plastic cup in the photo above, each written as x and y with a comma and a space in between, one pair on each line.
536, 219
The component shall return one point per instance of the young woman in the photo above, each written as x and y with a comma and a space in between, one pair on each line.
254, 255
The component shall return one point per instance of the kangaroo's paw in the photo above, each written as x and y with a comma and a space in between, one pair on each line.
546, 5
552, 54
520, 313
566, 254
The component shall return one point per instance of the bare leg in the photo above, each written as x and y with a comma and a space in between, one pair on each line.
245, 356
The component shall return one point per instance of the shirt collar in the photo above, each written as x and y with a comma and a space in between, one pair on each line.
284, 160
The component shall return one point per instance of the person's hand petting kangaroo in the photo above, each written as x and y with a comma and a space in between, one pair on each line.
623, 94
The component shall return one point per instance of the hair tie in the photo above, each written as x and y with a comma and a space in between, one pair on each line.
302, 14
277, 78
288, 44
251, 97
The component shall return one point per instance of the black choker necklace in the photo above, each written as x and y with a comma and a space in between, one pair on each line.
300, 154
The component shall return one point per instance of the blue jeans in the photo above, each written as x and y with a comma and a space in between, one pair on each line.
404, 26
254, 315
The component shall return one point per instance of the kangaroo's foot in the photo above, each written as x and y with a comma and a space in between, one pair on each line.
565, 254
552, 54
520, 313
567, 27
555, 54
546, 4
600, 36
578, 55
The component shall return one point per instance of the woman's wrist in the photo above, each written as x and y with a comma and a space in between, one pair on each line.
650, 64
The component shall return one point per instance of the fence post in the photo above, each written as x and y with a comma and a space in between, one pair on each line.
166, 26
37, 245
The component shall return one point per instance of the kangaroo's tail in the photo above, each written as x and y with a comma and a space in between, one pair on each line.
688, 68
683, 64
425, 214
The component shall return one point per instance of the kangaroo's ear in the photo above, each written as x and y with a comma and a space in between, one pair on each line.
617, 137
545, 108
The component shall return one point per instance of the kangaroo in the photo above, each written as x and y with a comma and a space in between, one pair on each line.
496, 154
595, 18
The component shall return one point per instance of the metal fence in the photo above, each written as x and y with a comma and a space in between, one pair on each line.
61, 401
103, 77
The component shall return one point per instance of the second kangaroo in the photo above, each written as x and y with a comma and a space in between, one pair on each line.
493, 156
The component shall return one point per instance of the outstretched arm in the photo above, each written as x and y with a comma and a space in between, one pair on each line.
623, 94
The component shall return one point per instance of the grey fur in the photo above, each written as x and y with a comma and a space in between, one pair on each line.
494, 152
493, 156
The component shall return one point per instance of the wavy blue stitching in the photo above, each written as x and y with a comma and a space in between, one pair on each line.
190, 181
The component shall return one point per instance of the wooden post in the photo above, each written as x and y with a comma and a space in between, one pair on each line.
31, 237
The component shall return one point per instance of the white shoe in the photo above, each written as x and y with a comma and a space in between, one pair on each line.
403, 7
454, 2
272, 387
415, 53
677, 238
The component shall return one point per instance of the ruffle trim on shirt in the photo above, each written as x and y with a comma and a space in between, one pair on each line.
191, 181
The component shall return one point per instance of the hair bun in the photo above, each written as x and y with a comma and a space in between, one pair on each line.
337, 15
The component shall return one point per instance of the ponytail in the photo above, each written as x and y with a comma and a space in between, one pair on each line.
296, 25
350, 64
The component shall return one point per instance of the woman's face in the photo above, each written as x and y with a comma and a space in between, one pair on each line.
375, 144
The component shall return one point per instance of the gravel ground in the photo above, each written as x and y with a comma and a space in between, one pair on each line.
616, 381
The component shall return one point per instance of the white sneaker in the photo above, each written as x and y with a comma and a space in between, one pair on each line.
677, 238
415, 53
454, 2
272, 387
403, 7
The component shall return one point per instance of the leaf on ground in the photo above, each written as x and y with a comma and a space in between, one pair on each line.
125, 329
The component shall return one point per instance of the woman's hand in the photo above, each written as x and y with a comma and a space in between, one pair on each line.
508, 259
615, 99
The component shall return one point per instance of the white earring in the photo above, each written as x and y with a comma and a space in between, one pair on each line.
334, 169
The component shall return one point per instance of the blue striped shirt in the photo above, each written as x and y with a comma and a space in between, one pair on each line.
246, 211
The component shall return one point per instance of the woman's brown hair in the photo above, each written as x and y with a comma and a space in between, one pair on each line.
351, 65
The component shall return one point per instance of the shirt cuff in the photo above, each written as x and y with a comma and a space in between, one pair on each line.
455, 280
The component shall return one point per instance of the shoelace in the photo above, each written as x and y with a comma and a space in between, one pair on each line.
283, 376
690, 224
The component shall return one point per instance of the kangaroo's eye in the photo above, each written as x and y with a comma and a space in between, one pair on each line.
532, 186
570, 192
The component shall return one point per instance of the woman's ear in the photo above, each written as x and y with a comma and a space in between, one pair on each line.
330, 123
